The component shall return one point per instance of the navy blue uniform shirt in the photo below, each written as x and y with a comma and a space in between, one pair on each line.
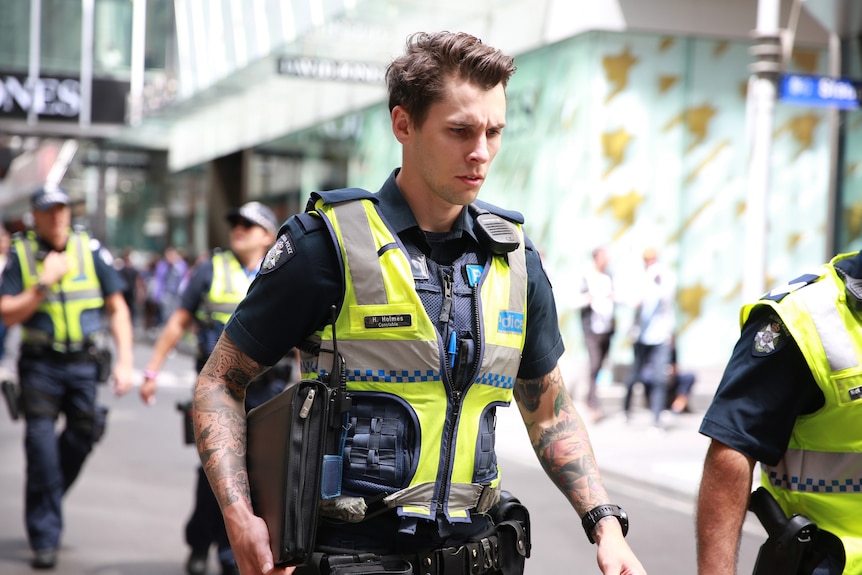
760, 396
109, 279
292, 300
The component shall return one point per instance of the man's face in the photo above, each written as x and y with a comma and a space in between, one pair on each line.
246, 237
52, 225
451, 152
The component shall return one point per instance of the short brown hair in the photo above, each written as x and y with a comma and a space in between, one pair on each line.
417, 78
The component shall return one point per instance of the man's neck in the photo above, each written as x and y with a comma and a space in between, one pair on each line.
250, 260
433, 214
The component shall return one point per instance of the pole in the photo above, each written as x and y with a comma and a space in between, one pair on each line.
35, 56
136, 86
761, 108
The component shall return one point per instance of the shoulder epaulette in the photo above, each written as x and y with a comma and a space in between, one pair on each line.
341, 195
510, 215
779, 293
309, 221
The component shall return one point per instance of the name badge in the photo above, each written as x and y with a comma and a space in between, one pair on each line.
384, 321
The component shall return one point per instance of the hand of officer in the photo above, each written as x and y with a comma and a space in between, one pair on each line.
249, 540
614, 555
54, 267
122, 378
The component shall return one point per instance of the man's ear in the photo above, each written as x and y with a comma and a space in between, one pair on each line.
401, 125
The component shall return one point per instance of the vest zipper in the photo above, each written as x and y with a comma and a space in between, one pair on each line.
457, 395
450, 433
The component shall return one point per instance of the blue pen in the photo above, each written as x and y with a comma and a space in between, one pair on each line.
453, 348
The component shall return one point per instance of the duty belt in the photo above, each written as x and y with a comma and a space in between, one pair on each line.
31, 351
472, 558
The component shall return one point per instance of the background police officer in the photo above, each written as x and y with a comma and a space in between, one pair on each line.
789, 399
214, 288
58, 283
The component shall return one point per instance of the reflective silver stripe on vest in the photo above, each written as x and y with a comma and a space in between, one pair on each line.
830, 326
817, 472
411, 352
461, 496
228, 282
518, 269
355, 225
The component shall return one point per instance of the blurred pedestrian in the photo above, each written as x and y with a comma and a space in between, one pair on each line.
653, 331
596, 302
680, 385
168, 276
132, 278
216, 285
59, 283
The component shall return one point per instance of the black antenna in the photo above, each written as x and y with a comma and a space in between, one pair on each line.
340, 400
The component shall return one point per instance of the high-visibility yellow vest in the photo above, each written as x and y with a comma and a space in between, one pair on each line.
229, 286
820, 475
394, 355
77, 292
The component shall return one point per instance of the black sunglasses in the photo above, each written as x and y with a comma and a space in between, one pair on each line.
242, 222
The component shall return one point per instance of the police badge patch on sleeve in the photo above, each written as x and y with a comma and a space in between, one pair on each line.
770, 338
278, 254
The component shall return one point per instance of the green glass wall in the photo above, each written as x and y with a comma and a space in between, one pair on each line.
636, 140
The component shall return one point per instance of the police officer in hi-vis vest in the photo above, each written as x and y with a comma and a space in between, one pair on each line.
213, 290
59, 284
444, 314
791, 399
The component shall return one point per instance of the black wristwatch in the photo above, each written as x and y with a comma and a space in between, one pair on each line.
596, 514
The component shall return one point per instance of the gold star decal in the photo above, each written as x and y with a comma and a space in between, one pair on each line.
801, 128
665, 83
666, 43
793, 241
617, 71
806, 60
853, 221
623, 208
720, 48
690, 300
614, 146
696, 120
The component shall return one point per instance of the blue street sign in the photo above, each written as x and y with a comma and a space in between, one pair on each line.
820, 91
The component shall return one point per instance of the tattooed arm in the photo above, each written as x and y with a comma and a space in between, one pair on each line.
220, 432
563, 447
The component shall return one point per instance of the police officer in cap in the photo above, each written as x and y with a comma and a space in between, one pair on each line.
59, 284
214, 288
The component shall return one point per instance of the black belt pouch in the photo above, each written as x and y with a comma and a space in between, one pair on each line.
286, 445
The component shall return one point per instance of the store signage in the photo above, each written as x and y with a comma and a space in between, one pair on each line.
335, 70
819, 91
59, 98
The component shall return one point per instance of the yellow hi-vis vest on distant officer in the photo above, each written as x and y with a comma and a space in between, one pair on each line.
397, 369
820, 475
77, 292
229, 286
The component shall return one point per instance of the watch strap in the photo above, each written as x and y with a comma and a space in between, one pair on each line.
591, 518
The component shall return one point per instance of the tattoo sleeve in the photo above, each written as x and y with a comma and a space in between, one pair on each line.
560, 440
219, 420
